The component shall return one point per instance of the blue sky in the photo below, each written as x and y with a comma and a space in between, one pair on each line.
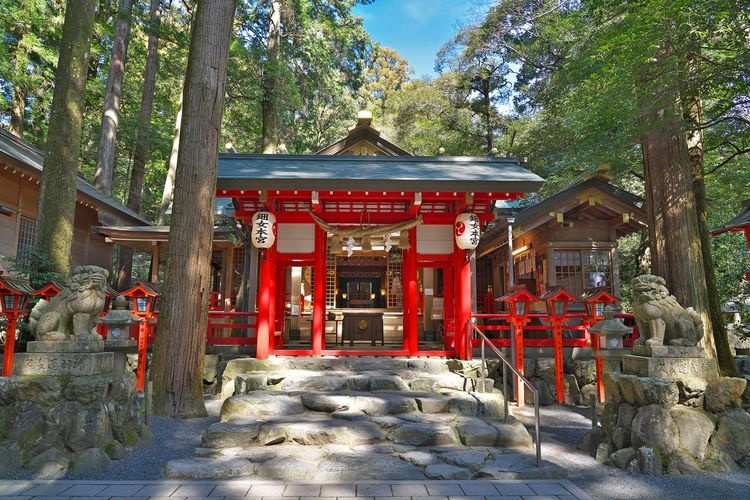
416, 29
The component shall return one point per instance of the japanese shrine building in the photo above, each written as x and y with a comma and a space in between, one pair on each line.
400, 278
568, 240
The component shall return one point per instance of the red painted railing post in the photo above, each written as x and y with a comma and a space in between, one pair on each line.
10, 344
142, 353
518, 340
559, 372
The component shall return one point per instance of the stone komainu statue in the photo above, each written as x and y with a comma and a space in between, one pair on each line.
660, 318
72, 313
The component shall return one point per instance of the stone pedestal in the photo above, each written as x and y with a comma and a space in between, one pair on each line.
611, 358
120, 348
670, 362
669, 412
65, 409
76, 358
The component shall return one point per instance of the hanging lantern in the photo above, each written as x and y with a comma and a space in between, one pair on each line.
264, 230
467, 231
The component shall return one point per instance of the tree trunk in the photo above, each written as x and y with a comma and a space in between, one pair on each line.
693, 114
135, 190
17, 111
673, 221
181, 335
270, 98
166, 195
57, 197
105, 162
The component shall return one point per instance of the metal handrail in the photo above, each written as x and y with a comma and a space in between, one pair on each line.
506, 365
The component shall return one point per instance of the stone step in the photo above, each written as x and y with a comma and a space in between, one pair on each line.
366, 462
259, 405
352, 428
405, 368
334, 381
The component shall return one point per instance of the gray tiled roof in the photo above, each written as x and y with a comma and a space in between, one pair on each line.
406, 173
31, 159
741, 220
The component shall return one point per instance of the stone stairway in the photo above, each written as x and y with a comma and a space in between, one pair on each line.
361, 418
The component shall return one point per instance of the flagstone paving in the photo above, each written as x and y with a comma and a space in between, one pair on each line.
277, 490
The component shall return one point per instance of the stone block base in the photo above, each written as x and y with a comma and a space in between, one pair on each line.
65, 346
63, 363
670, 367
665, 351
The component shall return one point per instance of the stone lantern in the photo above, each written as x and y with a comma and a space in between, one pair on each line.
119, 321
13, 296
610, 350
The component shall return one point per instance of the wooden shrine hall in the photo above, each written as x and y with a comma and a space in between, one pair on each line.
365, 246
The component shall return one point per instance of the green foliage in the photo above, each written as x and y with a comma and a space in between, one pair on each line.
35, 266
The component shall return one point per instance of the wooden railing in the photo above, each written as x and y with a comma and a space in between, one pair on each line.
538, 331
233, 322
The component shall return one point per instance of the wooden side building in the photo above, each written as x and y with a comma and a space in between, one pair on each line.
20, 175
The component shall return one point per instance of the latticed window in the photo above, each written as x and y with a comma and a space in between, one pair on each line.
579, 269
25, 239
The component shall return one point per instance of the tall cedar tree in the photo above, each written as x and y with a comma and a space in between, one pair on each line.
180, 340
57, 197
105, 163
138, 171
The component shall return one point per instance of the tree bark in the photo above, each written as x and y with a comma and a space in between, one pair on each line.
57, 197
135, 191
166, 195
105, 163
269, 100
676, 253
180, 340
693, 114
17, 111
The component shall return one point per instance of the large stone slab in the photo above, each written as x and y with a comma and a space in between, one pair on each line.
321, 432
669, 367
425, 434
65, 346
260, 405
75, 364
364, 467
205, 468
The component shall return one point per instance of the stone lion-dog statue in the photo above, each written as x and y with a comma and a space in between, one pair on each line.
72, 313
660, 318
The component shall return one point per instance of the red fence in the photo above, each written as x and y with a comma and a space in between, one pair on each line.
538, 331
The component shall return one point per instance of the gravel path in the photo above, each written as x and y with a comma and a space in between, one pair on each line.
563, 426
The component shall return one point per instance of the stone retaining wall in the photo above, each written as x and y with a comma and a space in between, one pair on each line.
655, 425
53, 424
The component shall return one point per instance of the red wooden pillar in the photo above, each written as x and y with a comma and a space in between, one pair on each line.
10, 344
463, 301
319, 291
411, 330
264, 326
558, 347
274, 255
279, 304
449, 310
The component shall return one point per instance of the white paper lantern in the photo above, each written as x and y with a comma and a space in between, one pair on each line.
263, 234
467, 231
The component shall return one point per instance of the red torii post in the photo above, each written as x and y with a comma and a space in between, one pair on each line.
517, 304
595, 300
557, 300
